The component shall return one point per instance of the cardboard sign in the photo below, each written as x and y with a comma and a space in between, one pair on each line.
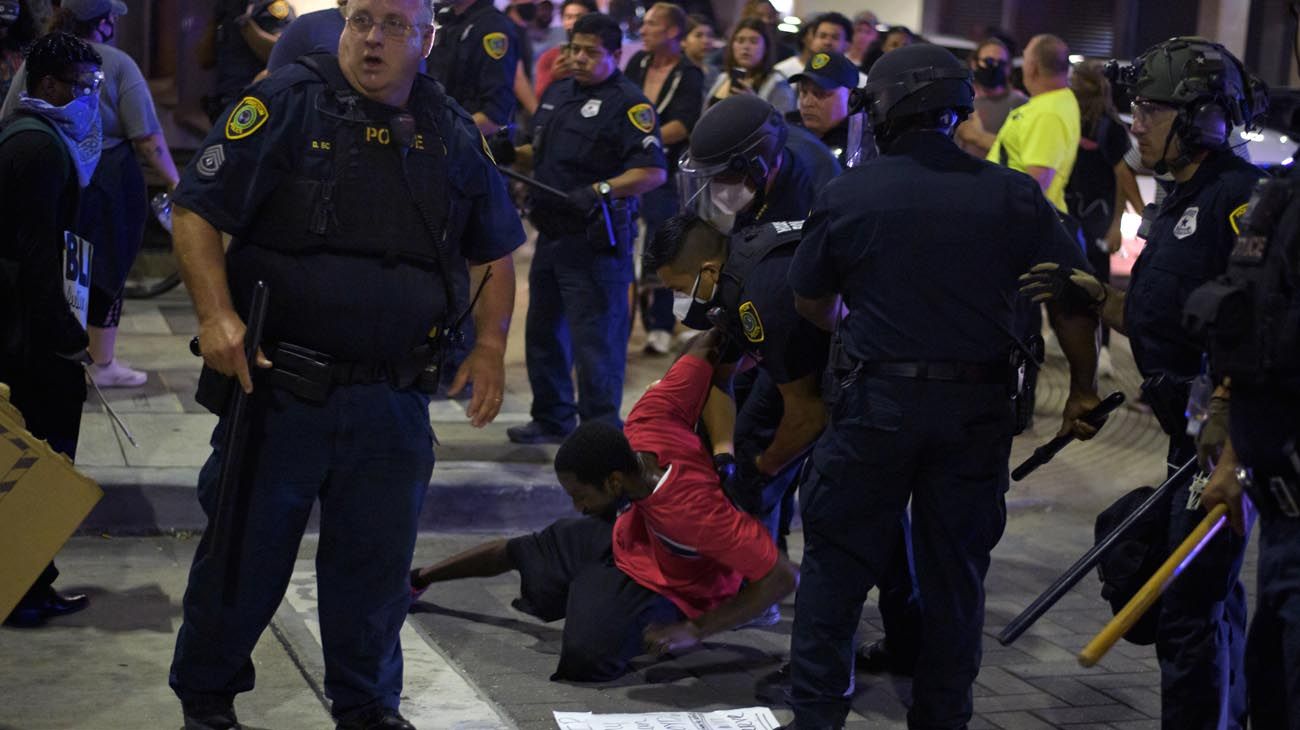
42, 501
748, 718
76, 274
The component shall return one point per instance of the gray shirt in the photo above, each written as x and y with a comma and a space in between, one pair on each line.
125, 105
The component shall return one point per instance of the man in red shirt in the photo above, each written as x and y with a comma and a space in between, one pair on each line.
668, 571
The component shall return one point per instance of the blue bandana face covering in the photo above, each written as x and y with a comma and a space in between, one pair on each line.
79, 126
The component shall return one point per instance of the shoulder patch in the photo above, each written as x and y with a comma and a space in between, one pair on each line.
496, 45
819, 61
278, 9
247, 117
642, 117
750, 324
1235, 217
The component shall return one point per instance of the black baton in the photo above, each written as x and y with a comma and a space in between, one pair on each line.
227, 527
1075, 573
1044, 453
532, 182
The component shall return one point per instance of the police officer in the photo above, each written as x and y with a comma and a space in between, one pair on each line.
475, 55
244, 36
1188, 93
740, 282
596, 136
826, 110
344, 182
923, 410
1256, 360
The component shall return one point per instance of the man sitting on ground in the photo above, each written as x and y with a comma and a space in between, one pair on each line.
667, 571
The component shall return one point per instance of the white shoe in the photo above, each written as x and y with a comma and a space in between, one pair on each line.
1105, 368
658, 342
116, 374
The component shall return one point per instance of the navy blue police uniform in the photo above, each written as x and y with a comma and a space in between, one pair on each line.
578, 285
1200, 639
1265, 430
475, 55
923, 413
350, 214
237, 64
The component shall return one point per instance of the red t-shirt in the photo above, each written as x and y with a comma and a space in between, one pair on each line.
686, 541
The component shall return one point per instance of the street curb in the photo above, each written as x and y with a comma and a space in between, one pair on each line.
463, 496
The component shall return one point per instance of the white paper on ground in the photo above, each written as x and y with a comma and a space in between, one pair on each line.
747, 718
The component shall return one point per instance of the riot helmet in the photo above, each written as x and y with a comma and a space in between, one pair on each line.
1208, 86
917, 82
735, 149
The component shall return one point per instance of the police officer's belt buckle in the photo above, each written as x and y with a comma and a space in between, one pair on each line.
305, 373
1284, 496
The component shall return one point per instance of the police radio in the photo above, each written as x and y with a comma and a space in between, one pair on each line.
1242, 315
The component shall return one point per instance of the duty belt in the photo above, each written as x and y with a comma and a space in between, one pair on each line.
1276, 495
948, 372
311, 375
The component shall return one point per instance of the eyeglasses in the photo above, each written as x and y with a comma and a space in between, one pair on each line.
1146, 112
390, 27
86, 83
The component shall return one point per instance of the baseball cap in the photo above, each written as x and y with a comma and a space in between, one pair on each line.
90, 9
829, 70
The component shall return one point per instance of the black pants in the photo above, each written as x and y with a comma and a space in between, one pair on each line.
943, 447
567, 571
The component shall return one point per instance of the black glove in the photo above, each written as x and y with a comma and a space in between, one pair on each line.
503, 150
584, 198
745, 487
725, 466
1074, 288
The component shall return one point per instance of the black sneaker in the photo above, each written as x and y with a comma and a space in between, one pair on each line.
378, 718
536, 432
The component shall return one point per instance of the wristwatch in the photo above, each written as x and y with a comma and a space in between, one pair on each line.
604, 188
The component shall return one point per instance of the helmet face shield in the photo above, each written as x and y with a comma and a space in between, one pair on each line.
717, 192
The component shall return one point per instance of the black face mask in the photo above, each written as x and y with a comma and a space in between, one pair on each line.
526, 12
991, 74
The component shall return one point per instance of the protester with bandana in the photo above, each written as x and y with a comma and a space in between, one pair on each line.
114, 208
48, 151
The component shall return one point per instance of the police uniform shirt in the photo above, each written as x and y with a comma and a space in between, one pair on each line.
475, 55
355, 308
1188, 241
237, 64
585, 134
786, 346
926, 245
